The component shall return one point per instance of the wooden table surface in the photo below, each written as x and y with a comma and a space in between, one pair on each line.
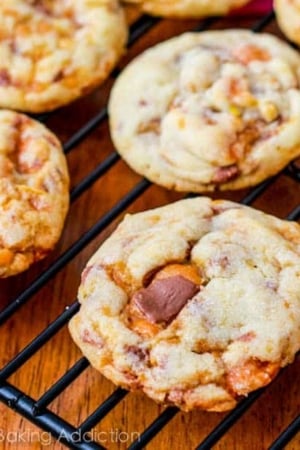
274, 410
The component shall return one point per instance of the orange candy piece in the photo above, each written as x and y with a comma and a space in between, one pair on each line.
250, 375
247, 53
184, 270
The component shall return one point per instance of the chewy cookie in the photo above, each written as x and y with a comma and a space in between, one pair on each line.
188, 8
34, 192
212, 110
196, 303
53, 51
288, 17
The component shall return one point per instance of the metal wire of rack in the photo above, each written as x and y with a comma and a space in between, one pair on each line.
36, 410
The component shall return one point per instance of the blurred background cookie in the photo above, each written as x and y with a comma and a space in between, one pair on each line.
211, 110
34, 192
52, 52
188, 8
288, 18
195, 303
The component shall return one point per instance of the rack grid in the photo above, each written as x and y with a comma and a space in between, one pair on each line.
36, 410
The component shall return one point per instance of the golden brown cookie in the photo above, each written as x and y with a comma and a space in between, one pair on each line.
196, 303
288, 17
211, 110
52, 52
34, 192
187, 8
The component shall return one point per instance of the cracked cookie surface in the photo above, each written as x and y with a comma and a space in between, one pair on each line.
52, 52
211, 110
196, 303
187, 8
34, 192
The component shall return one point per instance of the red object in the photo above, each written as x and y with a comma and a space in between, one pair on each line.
255, 7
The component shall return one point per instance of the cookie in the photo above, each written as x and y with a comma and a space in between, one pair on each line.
211, 110
288, 18
188, 8
196, 303
34, 192
52, 52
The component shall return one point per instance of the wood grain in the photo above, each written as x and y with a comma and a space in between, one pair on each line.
259, 426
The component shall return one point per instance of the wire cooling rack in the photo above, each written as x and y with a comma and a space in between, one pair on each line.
36, 410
